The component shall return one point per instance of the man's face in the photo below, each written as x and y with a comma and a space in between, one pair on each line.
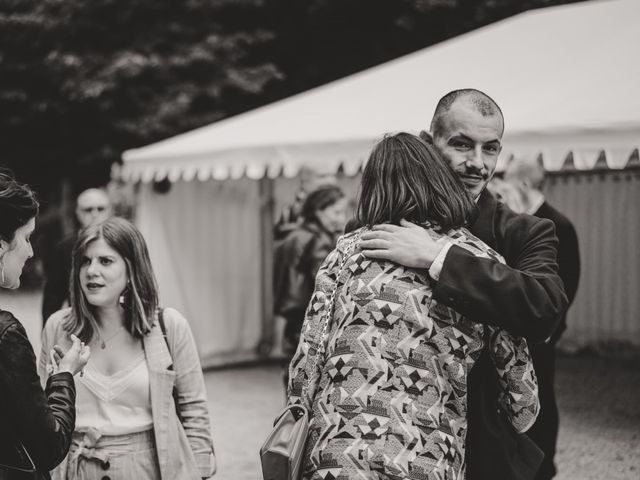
93, 207
471, 143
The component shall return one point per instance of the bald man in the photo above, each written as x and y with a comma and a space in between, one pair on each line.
525, 297
92, 206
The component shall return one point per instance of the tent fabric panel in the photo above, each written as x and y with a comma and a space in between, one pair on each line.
604, 207
204, 242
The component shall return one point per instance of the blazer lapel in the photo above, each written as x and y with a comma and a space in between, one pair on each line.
161, 378
483, 226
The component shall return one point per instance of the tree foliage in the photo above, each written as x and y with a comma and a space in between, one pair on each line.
83, 81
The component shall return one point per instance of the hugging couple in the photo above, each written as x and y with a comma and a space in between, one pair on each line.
413, 358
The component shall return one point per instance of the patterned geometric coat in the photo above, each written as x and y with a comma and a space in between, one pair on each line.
389, 393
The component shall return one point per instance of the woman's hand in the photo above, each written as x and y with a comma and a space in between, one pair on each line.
75, 359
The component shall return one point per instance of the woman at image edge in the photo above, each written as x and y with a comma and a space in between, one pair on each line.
391, 394
41, 422
128, 426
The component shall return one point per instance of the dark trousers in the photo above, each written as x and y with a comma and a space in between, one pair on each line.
294, 319
545, 431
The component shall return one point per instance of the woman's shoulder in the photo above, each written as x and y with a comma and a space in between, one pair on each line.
465, 239
8, 322
348, 238
173, 319
54, 326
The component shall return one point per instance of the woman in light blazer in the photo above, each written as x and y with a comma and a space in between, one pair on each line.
141, 403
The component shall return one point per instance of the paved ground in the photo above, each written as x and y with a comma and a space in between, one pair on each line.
599, 401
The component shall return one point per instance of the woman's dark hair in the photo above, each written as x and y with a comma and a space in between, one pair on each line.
406, 178
141, 294
18, 205
319, 199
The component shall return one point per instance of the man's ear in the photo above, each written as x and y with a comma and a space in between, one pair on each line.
426, 136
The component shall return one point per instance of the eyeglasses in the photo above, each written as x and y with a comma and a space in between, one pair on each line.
93, 209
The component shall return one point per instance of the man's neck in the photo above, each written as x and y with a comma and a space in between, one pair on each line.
535, 199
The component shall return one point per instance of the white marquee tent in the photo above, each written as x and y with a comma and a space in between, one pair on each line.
566, 78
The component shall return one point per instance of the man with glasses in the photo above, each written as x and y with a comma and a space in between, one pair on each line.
92, 206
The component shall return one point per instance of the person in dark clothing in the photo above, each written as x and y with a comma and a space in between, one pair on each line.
299, 256
525, 296
92, 206
527, 177
35, 426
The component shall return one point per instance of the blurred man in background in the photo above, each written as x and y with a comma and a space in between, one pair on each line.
92, 206
527, 177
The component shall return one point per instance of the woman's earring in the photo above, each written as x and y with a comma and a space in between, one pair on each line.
123, 299
2, 272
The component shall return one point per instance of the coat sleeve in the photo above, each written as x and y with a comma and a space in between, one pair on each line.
44, 419
517, 383
525, 297
192, 395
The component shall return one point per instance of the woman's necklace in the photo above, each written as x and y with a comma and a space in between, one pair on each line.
103, 341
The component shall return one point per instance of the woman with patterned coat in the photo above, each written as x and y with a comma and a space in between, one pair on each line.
387, 395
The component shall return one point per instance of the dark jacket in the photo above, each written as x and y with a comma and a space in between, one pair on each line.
527, 299
57, 270
297, 260
526, 296
568, 257
42, 421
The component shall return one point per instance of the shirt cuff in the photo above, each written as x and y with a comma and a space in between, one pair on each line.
438, 262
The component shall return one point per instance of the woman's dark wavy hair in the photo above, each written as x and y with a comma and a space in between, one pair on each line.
407, 178
18, 205
141, 297
319, 199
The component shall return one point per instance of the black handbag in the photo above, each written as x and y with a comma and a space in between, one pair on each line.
282, 453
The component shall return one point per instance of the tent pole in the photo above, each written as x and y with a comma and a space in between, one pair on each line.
266, 265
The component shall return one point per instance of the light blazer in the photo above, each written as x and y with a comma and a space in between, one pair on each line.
184, 451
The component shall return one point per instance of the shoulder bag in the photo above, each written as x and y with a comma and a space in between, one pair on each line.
282, 453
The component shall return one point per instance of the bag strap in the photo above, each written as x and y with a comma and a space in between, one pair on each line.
174, 392
327, 318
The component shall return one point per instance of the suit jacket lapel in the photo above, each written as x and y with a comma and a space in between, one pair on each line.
483, 226
161, 378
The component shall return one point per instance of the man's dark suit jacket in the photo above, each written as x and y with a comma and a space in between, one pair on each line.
568, 257
526, 298
57, 271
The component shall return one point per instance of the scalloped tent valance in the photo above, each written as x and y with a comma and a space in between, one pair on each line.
562, 76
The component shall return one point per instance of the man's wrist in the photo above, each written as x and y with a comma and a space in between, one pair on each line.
438, 262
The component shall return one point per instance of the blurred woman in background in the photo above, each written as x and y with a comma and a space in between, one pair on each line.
299, 256
35, 426
141, 405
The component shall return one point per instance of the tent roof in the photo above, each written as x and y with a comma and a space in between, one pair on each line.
566, 78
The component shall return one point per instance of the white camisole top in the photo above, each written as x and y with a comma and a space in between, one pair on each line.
116, 404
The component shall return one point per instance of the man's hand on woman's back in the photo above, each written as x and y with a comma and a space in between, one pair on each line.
407, 244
